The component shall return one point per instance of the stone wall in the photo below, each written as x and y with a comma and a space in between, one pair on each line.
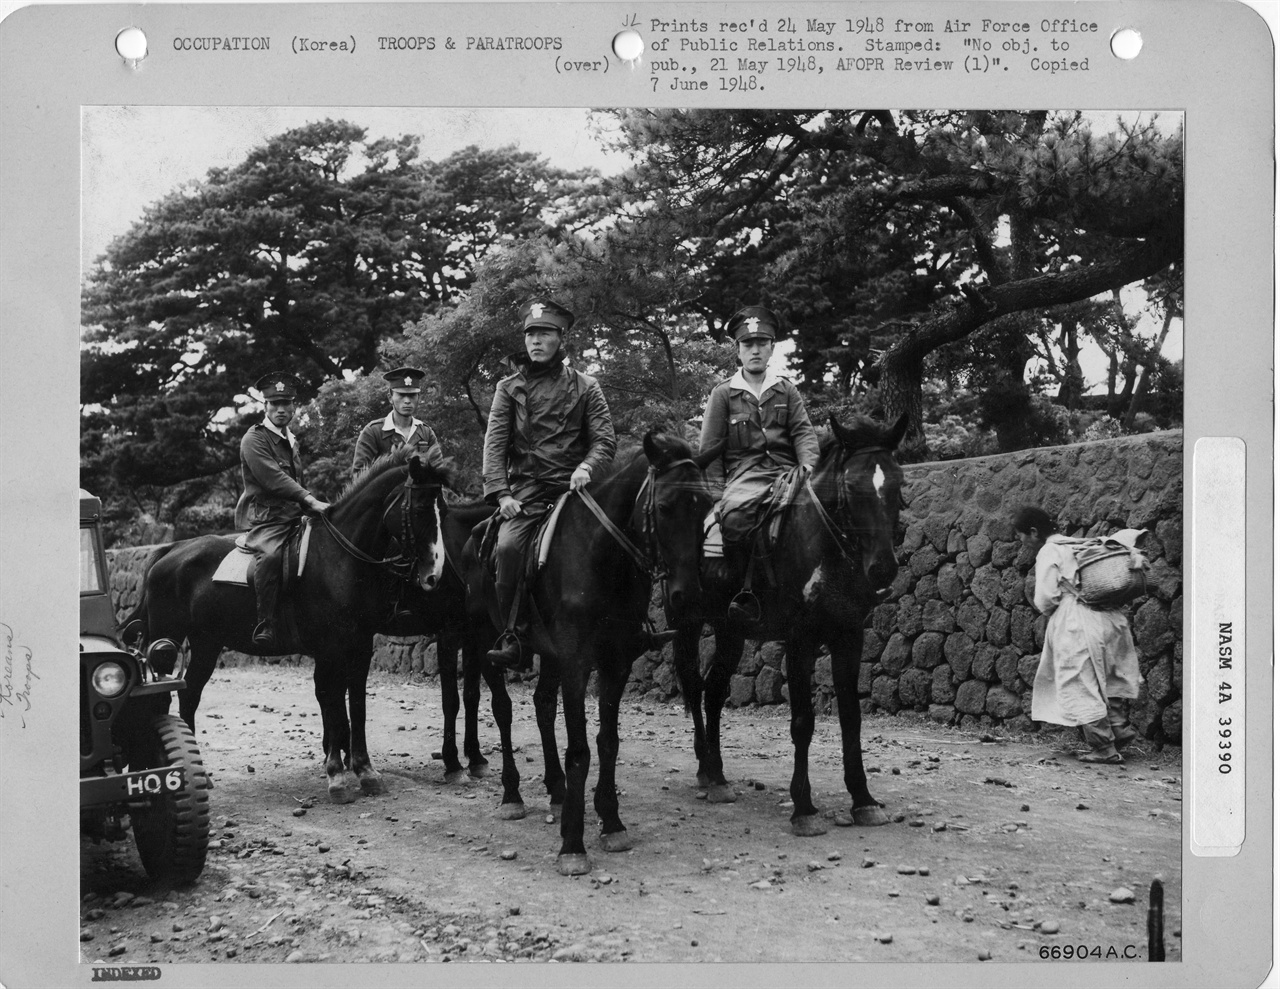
957, 638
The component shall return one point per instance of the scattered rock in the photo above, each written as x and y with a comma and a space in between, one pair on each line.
984, 955
815, 866
86, 934
1121, 894
906, 870
294, 957
1025, 808
885, 938
507, 854
933, 899
1082, 806
868, 862
299, 811
1050, 927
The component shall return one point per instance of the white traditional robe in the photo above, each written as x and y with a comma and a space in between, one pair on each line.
1088, 654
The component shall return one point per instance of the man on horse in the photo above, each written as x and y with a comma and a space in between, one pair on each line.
762, 418
400, 427
549, 429
273, 498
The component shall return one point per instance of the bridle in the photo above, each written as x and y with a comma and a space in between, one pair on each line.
402, 564
648, 557
850, 544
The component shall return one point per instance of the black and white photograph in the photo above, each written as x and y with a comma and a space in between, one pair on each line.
827, 464
668, 495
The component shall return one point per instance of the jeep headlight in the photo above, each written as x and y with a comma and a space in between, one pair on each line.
110, 679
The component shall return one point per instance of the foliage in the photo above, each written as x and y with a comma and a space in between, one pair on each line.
305, 257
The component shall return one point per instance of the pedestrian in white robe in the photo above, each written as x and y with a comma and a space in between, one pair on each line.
1089, 663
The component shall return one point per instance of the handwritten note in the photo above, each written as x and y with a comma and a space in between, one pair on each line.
15, 687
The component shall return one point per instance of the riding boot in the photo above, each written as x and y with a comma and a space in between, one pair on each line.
745, 606
511, 650
266, 583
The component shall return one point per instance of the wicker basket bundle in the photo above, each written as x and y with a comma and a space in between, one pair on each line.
1109, 575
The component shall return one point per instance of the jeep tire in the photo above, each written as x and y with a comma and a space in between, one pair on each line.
173, 834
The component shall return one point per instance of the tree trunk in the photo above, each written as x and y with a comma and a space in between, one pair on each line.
1144, 380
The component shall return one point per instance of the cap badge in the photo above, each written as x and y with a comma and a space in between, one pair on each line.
536, 310
753, 324
279, 386
408, 379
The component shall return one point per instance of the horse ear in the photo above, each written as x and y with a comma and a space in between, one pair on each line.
657, 456
707, 457
843, 436
899, 430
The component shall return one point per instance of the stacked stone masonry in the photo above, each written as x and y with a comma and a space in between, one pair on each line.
956, 639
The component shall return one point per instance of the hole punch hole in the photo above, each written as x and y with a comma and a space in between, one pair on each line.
1126, 43
131, 45
628, 45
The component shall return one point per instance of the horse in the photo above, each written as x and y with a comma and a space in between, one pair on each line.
589, 605
442, 612
832, 560
332, 611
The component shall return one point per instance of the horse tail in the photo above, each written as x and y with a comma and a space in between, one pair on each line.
139, 614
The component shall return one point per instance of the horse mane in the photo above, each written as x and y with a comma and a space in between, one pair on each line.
675, 446
864, 430
386, 462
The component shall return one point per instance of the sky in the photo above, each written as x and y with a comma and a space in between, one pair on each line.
132, 156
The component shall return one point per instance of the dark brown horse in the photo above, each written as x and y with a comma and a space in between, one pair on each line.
337, 604
442, 612
833, 557
590, 606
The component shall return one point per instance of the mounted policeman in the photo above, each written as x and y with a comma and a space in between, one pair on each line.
768, 438
400, 427
274, 498
549, 430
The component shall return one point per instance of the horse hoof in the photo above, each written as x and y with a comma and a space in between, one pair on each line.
339, 794
453, 776
554, 810
704, 779
573, 865
478, 770
616, 841
807, 826
869, 817
721, 793
511, 812
372, 785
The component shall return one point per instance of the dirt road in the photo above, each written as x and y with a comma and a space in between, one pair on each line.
998, 849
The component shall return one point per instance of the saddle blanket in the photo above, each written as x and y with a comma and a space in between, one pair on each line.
234, 568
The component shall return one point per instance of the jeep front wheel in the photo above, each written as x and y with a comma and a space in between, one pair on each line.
172, 833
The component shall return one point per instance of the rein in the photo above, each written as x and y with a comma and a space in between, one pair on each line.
400, 565
650, 564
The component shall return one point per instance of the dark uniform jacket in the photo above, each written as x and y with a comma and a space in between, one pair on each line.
272, 475
381, 437
769, 435
541, 427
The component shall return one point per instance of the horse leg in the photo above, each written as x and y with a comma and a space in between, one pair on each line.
846, 654
330, 688
447, 660
801, 650
358, 662
572, 860
613, 833
477, 764
685, 651
545, 701
727, 656
204, 659
512, 807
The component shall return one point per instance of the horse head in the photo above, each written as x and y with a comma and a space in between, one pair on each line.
425, 510
672, 515
868, 482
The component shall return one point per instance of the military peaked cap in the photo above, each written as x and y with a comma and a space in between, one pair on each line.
754, 322
277, 384
407, 379
546, 314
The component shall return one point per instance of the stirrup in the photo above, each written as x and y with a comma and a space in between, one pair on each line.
264, 636
745, 607
510, 653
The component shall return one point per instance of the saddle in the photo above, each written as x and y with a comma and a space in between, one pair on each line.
759, 544
485, 535
238, 565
